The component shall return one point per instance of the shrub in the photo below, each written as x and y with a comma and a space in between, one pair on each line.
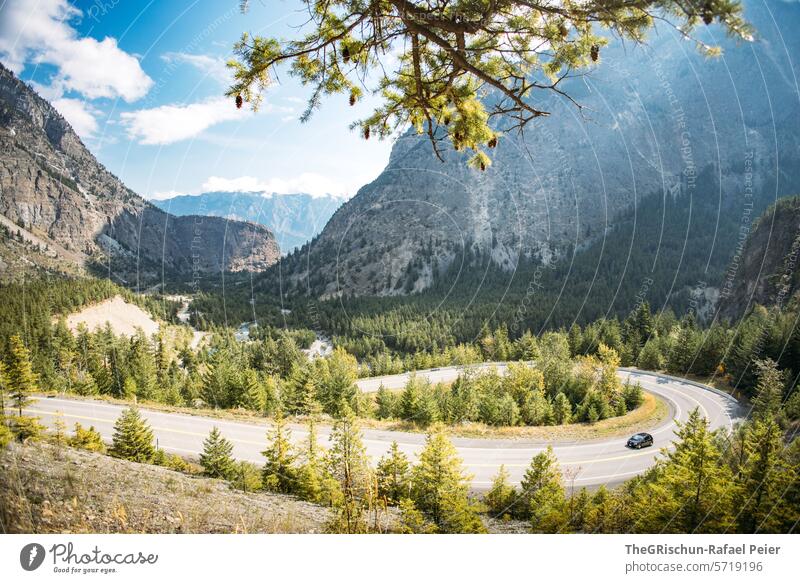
88, 439
633, 396
27, 428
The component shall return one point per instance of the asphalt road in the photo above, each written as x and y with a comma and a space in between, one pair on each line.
588, 463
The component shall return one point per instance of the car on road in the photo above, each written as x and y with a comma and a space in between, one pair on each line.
640, 440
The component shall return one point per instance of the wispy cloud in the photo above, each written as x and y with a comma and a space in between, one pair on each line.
213, 67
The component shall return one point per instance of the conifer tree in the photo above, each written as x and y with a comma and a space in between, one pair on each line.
502, 495
765, 478
386, 402
22, 381
769, 389
542, 494
603, 513
393, 475
562, 409
133, 438
412, 521
349, 466
692, 490
254, 395
216, 456
4, 388
88, 439
410, 399
440, 488
279, 473
310, 475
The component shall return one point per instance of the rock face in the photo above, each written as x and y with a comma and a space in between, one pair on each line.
53, 190
294, 218
654, 118
766, 271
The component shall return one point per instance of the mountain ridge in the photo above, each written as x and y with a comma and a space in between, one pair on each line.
54, 189
655, 127
293, 218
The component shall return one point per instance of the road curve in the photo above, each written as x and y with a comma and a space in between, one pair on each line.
589, 463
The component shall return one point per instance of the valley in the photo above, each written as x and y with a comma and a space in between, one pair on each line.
582, 239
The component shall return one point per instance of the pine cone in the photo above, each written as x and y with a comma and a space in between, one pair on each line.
352, 99
595, 52
708, 15
239, 102
346, 54
492, 143
366, 132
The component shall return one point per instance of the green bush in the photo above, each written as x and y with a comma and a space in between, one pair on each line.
88, 439
27, 428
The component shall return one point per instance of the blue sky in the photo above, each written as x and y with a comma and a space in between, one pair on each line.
143, 84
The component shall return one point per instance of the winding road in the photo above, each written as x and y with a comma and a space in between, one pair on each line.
587, 463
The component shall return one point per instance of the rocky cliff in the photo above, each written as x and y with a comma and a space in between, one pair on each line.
654, 118
62, 210
766, 270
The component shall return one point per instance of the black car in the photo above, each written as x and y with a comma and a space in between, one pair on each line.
640, 440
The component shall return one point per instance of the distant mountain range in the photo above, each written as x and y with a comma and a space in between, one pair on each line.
61, 211
294, 218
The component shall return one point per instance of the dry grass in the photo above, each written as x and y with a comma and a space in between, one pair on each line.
47, 489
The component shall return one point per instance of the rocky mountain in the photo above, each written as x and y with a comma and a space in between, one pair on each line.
61, 210
766, 271
653, 120
294, 218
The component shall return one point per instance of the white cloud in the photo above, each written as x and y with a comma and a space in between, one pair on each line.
213, 67
40, 32
167, 124
79, 115
307, 182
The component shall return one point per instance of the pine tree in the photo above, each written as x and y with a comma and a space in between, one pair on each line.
310, 475
692, 490
412, 521
216, 456
440, 488
386, 402
297, 390
337, 376
88, 439
410, 400
501, 496
60, 429
22, 381
254, 397
765, 478
542, 494
393, 475
279, 473
349, 466
769, 389
133, 438
562, 409
4, 388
